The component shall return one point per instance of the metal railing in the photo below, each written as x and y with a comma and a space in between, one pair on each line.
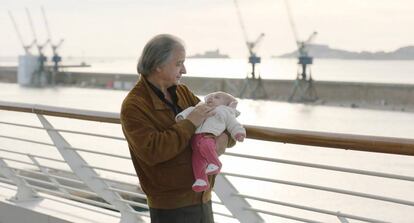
108, 187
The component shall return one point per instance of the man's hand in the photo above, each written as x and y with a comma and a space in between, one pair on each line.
221, 143
200, 113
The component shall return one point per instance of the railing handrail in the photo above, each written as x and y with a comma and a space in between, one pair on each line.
109, 117
233, 200
392, 145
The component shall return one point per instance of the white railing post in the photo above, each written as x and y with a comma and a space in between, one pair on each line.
89, 176
46, 172
238, 206
24, 192
341, 218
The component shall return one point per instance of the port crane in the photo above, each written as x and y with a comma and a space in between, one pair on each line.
32, 69
55, 58
26, 48
39, 46
303, 82
251, 45
39, 78
304, 58
258, 90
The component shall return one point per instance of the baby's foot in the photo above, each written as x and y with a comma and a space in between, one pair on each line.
200, 185
212, 169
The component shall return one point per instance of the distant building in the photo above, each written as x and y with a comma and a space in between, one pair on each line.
210, 54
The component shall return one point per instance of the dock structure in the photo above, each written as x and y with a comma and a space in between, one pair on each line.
49, 178
382, 96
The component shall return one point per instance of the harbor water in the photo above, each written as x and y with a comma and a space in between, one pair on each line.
375, 71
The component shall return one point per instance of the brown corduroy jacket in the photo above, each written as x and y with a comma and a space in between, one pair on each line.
160, 147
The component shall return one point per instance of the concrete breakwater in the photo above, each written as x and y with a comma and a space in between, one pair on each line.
347, 94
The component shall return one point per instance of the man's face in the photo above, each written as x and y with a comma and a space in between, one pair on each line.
216, 99
174, 68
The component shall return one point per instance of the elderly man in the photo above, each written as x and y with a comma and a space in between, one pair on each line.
159, 146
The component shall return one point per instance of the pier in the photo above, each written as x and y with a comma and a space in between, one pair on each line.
381, 96
329, 123
33, 187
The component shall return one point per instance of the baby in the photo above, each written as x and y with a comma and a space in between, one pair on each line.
205, 159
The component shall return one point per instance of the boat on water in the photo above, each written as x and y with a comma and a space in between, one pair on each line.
210, 54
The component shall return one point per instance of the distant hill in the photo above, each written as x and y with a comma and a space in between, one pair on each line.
324, 51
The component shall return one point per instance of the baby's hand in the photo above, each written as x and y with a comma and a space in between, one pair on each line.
240, 137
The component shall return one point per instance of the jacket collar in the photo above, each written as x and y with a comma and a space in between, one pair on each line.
156, 101
181, 102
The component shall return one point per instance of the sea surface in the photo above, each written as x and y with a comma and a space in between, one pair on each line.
381, 71
260, 113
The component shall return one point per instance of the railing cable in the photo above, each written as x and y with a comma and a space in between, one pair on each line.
326, 167
317, 187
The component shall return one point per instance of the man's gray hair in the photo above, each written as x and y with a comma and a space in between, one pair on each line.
156, 52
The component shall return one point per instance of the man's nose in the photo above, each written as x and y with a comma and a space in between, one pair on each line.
183, 69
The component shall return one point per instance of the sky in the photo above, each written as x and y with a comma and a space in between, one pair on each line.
120, 28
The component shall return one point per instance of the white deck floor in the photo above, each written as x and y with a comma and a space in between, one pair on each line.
50, 209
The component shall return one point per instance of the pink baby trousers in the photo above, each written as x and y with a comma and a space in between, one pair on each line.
204, 153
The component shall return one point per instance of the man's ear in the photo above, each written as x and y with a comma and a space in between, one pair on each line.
233, 104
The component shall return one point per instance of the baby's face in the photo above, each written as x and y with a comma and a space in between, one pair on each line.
216, 99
